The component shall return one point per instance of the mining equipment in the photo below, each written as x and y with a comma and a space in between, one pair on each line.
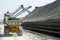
12, 23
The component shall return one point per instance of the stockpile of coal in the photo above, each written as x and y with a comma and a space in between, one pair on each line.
44, 15
46, 12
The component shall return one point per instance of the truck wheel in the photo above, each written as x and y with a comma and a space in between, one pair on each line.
6, 31
20, 32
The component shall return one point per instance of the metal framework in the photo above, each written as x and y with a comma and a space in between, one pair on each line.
15, 14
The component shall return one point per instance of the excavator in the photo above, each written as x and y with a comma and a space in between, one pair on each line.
12, 23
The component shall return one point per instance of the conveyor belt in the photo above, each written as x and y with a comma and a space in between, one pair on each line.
47, 30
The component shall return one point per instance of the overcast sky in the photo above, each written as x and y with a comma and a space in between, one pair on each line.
12, 5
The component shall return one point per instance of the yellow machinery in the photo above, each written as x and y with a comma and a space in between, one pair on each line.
13, 28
